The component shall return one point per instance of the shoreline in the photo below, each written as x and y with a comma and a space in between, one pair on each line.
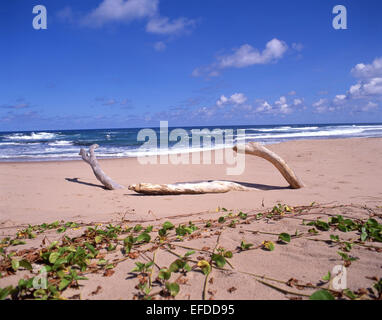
212, 150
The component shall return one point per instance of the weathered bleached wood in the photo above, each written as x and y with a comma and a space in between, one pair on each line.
251, 148
259, 150
90, 158
187, 188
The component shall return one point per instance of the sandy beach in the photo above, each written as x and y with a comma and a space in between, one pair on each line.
336, 172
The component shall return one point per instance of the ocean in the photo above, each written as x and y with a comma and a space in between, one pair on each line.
53, 145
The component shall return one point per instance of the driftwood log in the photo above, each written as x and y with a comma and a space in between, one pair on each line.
259, 150
251, 148
187, 188
90, 158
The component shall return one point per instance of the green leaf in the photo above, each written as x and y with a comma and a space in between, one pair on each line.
334, 238
243, 215
64, 283
91, 249
139, 267
221, 219
327, 276
350, 294
245, 246
138, 228
129, 240
164, 274
348, 246
219, 260
168, 225
176, 265
189, 253
111, 247
269, 245
15, 264
313, 231
61, 230
321, 295
284, 237
173, 288
98, 239
228, 254
205, 266
372, 222
378, 286
162, 232
4, 293
149, 229
53, 257
102, 262
144, 237
322, 225
363, 235
26, 264
346, 257
16, 242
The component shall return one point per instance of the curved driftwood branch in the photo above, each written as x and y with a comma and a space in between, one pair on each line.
259, 150
187, 188
90, 158
252, 148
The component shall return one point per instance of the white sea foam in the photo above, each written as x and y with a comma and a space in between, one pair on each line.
285, 128
321, 133
32, 136
8, 143
61, 143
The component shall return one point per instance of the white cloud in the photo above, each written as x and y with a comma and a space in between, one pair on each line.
339, 99
322, 106
264, 107
110, 11
366, 88
121, 10
359, 96
162, 25
236, 98
319, 103
246, 55
362, 70
282, 106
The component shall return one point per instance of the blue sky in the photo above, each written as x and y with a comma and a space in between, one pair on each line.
132, 63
